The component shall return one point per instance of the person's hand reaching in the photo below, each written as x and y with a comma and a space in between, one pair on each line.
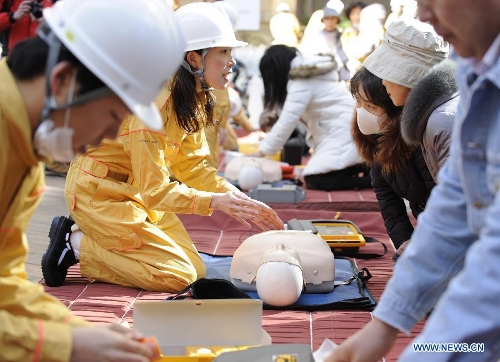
247, 210
268, 219
369, 344
110, 343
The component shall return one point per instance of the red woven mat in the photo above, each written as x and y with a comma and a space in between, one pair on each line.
220, 234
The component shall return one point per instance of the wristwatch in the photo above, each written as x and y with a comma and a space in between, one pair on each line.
12, 20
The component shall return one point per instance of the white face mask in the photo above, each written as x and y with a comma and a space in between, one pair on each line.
56, 143
369, 123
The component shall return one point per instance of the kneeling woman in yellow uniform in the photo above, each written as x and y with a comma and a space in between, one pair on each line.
121, 194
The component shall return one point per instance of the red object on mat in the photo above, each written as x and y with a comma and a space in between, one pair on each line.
287, 172
286, 169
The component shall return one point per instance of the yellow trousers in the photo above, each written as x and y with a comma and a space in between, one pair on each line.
122, 245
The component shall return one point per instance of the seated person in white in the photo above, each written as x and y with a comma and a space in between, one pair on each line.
307, 92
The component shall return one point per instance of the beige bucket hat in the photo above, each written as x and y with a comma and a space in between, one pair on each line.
410, 48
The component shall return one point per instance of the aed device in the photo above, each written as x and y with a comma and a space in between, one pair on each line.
341, 235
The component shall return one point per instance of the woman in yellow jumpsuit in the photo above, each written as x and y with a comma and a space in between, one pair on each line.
122, 196
56, 96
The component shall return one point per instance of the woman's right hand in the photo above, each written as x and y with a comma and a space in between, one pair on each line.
235, 205
246, 210
108, 344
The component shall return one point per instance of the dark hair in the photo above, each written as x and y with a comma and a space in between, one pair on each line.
191, 113
351, 7
374, 90
28, 58
274, 67
387, 149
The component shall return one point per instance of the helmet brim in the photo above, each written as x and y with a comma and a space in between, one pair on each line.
120, 66
223, 44
148, 114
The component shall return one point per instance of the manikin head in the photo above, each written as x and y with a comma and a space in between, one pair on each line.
279, 278
250, 175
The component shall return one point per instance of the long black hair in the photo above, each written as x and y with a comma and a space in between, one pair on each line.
274, 68
193, 110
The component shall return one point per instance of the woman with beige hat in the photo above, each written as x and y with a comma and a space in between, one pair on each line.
398, 171
411, 63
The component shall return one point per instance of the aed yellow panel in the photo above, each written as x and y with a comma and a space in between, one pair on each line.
339, 235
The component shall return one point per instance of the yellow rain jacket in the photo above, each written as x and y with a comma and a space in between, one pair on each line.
122, 196
34, 326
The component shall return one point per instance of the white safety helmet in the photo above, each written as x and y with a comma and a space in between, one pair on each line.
282, 7
132, 46
231, 12
206, 25
279, 279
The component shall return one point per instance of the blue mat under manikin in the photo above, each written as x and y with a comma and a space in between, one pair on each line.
353, 294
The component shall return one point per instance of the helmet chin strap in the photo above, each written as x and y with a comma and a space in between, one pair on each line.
54, 50
71, 94
200, 72
55, 46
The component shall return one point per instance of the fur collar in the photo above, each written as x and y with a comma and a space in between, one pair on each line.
387, 149
307, 66
433, 90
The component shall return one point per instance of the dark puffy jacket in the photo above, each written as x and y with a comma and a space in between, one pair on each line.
398, 172
414, 183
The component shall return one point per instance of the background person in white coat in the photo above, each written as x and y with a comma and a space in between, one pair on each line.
305, 91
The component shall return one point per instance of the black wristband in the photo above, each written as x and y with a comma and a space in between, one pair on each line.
12, 20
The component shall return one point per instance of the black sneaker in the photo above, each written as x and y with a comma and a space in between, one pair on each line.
59, 255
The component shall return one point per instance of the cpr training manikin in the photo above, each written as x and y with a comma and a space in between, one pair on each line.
281, 265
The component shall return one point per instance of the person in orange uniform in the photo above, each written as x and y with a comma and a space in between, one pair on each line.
122, 195
59, 91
